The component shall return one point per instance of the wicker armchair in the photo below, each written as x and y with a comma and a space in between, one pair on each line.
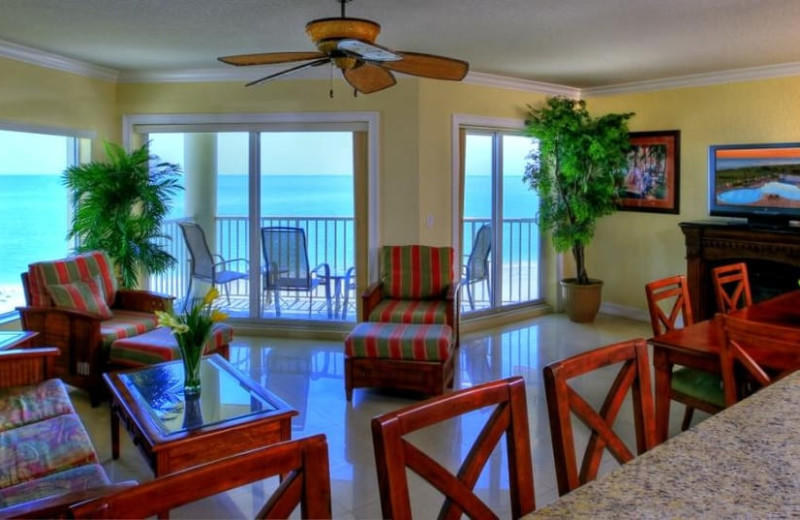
84, 333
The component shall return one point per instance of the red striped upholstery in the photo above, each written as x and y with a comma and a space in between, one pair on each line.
410, 311
125, 324
400, 341
416, 272
81, 295
67, 270
159, 345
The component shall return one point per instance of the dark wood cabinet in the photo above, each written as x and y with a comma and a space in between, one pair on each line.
772, 256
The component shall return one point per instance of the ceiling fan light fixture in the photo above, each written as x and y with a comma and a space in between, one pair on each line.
325, 29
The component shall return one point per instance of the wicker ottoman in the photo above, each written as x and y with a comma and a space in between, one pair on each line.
399, 356
159, 345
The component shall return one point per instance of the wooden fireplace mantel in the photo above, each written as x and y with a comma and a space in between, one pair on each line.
712, 243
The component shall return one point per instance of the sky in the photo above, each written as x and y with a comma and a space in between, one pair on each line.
32, 154
284, 153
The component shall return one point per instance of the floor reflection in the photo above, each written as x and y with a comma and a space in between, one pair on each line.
309, 376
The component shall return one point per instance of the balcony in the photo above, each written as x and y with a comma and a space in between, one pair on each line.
332, 240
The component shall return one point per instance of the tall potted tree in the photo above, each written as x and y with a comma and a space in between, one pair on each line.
119, 206
576, 170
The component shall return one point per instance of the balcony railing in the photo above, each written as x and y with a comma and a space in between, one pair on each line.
332, 240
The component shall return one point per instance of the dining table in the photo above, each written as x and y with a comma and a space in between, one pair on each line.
743, 462
698, 346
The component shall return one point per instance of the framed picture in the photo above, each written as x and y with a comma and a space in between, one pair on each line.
652, 180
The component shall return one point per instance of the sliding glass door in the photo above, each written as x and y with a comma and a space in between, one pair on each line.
500, 238
238, 183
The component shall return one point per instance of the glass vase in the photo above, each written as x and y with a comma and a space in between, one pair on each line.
192, 355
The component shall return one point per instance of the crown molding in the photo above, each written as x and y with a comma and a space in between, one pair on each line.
54, 61
525, 85
698, 80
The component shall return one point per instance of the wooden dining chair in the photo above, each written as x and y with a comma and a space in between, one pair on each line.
754, 355
394, 453
731, 287
563, 400
670, 308
301, 463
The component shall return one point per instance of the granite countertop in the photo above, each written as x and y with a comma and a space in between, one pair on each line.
741, 463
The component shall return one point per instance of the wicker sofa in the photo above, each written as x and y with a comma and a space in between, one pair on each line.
76, 305
47, 460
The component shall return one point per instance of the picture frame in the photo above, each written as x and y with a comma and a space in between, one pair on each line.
651, 181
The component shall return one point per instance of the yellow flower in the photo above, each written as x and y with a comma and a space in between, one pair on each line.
211, 295
180, 328
217, 316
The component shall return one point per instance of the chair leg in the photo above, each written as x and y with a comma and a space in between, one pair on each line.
277, 295
228, 293
687, 418
188, 295
470, 297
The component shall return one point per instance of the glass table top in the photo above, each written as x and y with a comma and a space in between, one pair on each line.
226, 394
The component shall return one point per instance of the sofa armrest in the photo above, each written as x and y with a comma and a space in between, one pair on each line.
26, 366
371, 297
142, 301
59, 506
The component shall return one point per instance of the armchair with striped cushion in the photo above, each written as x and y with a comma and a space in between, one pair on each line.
417, 285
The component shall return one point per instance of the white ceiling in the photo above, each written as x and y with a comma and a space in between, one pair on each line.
576, 43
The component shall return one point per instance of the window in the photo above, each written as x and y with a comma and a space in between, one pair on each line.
34, 206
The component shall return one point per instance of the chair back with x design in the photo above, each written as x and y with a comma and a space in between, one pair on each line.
505, 399
563, 400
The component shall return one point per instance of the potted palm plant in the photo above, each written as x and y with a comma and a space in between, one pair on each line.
576, 169
119, 206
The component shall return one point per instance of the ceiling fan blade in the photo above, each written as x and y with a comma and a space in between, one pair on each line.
429, 66
367, 78
269, 58
289, 71
367, 50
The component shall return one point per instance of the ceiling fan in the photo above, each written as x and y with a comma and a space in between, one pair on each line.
349, 44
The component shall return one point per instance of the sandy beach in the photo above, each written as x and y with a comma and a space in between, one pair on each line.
11, 296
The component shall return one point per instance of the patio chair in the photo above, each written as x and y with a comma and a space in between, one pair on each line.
203, 265
476, 270
286, 266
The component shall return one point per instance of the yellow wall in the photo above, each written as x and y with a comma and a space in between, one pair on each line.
32, 95
415, 170
631, 249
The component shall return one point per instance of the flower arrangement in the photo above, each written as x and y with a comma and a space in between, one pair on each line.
192, 329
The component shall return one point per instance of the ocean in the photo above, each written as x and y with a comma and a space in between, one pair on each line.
33, 208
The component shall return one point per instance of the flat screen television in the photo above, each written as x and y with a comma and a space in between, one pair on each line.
759, 182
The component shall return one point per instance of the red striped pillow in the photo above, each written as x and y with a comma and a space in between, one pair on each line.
81, 295
416, 272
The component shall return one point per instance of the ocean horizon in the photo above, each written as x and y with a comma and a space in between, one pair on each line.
28, 229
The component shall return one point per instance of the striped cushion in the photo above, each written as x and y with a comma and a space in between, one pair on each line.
80, 267
74, 479
20, 405
416, 272
81, 295
410, 311
125, 324
44, 447
400, 341
159, 345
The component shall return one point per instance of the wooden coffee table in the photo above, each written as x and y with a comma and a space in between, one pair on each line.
233, 414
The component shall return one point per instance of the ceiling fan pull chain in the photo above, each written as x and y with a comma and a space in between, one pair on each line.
330, 93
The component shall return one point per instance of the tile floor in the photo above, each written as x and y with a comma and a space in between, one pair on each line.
309, 376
